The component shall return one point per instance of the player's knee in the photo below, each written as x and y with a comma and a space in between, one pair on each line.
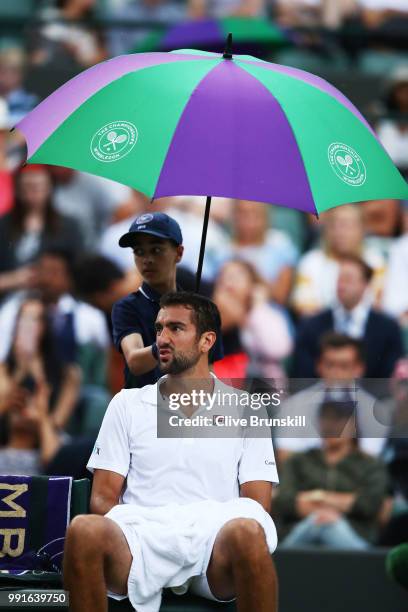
246, 539
86, 534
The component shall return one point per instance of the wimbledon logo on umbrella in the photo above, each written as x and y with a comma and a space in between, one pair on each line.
347, 164
113, 141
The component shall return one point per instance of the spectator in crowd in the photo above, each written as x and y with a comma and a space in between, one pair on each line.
19, 101
6, 181
340, 366
200, 9
395, 300
33, 360
32, 225
328, 13
353, 315
30, 439
374, 13
81, 330
256, 334
100, 282
331, 496
84, 326
270, 251
317, 272
298, 12
393, 129
92, 200
156, 241
124, 40
382, 224
64, 40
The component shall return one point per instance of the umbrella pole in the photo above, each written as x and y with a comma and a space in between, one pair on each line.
202, 246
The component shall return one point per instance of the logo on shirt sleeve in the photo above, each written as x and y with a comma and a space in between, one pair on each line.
96, 450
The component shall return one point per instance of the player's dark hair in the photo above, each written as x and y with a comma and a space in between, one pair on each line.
206, 315
94, 273
334, 340
366, 270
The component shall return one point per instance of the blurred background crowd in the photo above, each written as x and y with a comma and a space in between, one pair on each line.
299, 297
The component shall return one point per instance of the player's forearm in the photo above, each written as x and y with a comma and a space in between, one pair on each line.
101, 504
141, 360
260, 491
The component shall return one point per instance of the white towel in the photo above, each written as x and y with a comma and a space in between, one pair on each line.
171, 544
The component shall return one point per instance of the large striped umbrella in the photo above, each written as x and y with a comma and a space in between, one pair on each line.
197, 123
210, 34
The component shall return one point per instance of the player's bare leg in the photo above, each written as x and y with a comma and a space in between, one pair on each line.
96, 558
241, 566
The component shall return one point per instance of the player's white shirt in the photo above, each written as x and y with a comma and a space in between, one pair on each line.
161, 471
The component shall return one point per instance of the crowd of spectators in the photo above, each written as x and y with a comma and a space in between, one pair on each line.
302, 298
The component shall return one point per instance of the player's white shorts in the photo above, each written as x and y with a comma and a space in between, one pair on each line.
214, 514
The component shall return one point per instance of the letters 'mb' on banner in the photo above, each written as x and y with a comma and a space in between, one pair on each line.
34, 514
12, 539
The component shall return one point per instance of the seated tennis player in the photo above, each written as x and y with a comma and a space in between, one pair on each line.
186, 513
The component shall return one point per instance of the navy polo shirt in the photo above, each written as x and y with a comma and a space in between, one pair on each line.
136, 314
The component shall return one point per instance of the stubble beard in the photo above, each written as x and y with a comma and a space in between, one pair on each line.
180, 363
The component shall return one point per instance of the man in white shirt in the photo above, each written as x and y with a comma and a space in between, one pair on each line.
180, 512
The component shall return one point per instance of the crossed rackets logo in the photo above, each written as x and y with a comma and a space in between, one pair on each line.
113, 141
347, 164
